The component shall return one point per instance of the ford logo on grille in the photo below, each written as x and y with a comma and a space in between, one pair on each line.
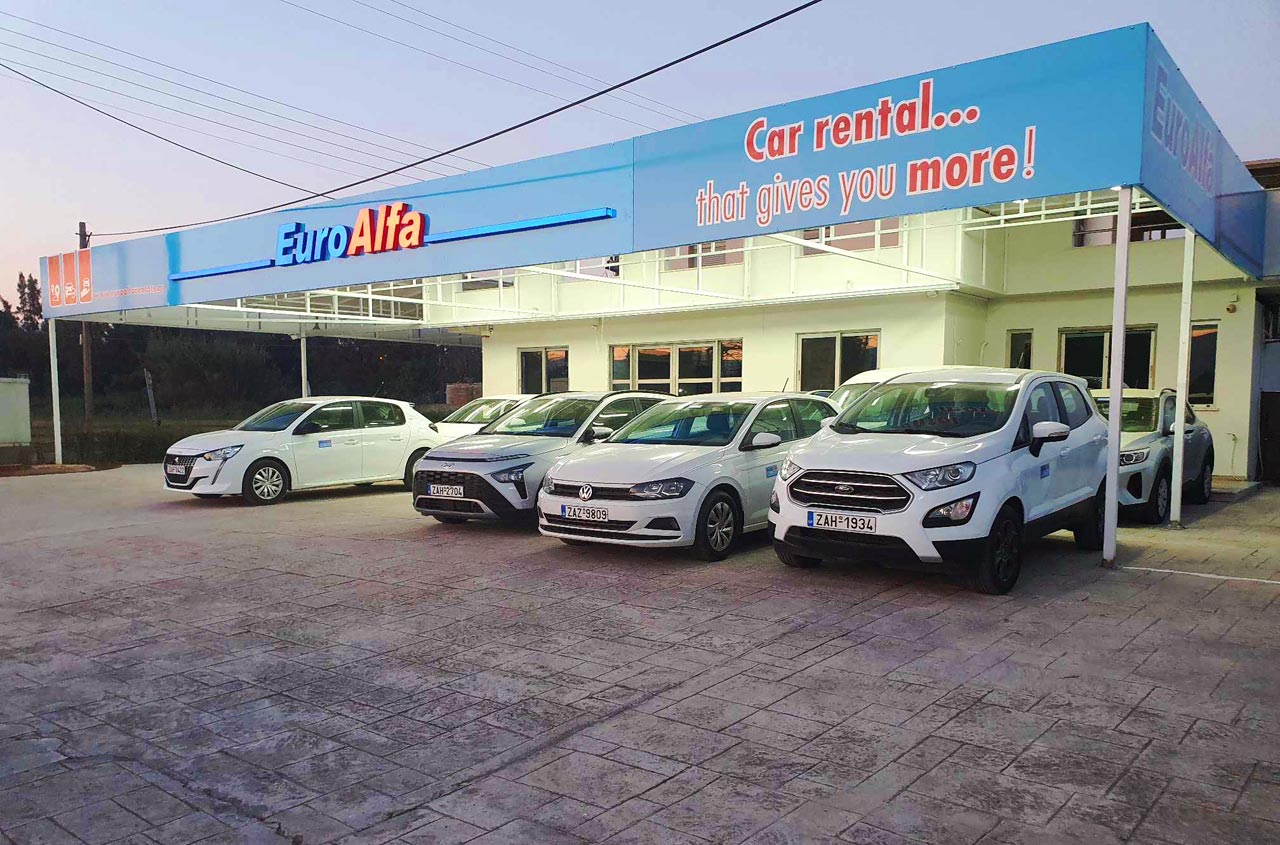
844, 488
585, 492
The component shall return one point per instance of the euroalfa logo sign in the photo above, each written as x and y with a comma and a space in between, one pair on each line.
387, 228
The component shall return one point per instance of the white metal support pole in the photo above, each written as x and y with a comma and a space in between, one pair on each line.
1119, 309
53, 390
306, 385
1184, 367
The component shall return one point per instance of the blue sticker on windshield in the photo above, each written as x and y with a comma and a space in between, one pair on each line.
1044, 470
771, 471
325, 444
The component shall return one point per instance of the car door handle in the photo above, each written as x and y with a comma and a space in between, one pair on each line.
397, 438
352, 441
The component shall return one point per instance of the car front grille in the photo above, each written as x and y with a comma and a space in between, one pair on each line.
851, 491
610, 525
181, 479
473, 486
560, 488
461, 506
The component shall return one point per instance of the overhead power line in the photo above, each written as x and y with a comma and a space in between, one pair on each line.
159, 137
193, 75
313, 13
664, 112
795, 10
551, 62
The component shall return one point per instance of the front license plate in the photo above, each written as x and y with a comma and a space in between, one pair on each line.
843, 522
580, 512
445, 491
175, 469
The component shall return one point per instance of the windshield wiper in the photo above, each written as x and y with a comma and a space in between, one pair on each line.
929, 431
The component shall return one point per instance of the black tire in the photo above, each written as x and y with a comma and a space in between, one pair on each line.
1200, 491
794, 560
208, 495
1155, 510
719, 524
1088, 533
998, 565
408, 468
265, 482
569, 542
449, 520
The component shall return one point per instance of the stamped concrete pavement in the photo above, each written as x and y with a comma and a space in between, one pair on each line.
336, 669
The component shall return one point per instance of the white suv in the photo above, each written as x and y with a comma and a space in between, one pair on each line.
695, 471
496, 472
949, 469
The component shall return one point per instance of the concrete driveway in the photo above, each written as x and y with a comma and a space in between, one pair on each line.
338, 669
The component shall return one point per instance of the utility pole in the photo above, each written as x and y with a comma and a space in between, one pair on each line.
86, 346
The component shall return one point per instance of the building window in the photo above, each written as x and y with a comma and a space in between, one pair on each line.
1147, 226
1020, 349
828, 360
544, 370
855, 237
488, 280
685, 369
608, 267
1204, 361
1088, 354
710, 254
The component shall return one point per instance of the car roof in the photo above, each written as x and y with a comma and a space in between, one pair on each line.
503, 396
347, 399
990, 375
756, 396
1132, 393
885, 373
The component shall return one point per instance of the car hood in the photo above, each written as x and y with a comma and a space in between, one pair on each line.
479, 447
456, 430
198, 444
631, 463
894, 453
1138, 439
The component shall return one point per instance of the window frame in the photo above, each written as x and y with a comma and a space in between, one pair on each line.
830, 235
700, 256
1058, 386
1216, 325
839, 336
673, 382
1008, 346
752, 431
366, 422
1105, 331
542, 353
357, 418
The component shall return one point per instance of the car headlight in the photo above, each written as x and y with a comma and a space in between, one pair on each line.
548, 483
788, 469
221, 454
668, 488
1134, 456
511, 475
939, 477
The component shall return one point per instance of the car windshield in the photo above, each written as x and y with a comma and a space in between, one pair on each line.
480, 411
939, 408
686, 423
276, 417
1135, 414
844, 395
550, 416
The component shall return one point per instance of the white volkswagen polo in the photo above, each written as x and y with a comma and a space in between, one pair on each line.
320, 441
694, 471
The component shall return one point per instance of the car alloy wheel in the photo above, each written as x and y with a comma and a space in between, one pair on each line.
1163, 498
268, 483
721, 525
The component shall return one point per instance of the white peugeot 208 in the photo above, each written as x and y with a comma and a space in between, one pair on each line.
694, 471
947, 469
320, 441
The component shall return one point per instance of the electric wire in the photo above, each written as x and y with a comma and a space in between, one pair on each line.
164, 93
313, 12
551, 62
160, 137
174, 82
226, 85
514, 127
533, 67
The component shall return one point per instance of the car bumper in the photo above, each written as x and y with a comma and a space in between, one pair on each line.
482, 498
211, 477
900, 538
654, 522
1136, 482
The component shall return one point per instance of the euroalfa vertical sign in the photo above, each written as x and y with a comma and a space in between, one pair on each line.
1089, 113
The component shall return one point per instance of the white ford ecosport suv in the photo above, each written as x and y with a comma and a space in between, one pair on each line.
948, 469
496, 472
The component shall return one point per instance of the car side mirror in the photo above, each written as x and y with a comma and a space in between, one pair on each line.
596, 433
306, 428
1167, 429
761, 440
1047, 431
827, 422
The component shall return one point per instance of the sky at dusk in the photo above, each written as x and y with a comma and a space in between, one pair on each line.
61, 163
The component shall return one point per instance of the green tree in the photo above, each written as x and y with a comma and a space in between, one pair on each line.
30, 311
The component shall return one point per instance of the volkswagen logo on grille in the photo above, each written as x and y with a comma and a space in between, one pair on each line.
844, 488
585, 492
